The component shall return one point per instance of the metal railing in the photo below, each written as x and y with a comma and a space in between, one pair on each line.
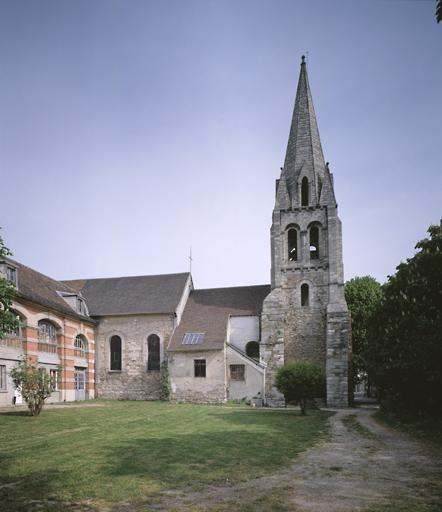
47, 347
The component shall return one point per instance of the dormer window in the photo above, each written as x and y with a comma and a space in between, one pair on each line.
76, 302
11, 275
80, 306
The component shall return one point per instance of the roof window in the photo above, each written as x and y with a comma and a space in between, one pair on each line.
193, 338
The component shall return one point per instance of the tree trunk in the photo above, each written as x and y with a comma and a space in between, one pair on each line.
303, 403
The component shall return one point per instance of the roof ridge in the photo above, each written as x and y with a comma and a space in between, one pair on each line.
59, 281
124, 277
230, 287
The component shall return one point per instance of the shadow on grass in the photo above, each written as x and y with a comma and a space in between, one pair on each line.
16, 413
283, 421
32, 492
206, 458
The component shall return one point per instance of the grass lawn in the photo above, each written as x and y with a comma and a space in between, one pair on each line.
131, 451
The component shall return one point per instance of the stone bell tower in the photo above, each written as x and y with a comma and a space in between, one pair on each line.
305, 316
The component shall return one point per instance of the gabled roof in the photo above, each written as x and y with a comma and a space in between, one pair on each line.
158, 294
41, 289
208, 311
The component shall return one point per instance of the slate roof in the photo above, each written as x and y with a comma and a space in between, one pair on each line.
208, 311
41, 289
304, 150
158, 294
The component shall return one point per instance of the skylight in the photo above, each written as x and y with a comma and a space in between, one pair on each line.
193, 338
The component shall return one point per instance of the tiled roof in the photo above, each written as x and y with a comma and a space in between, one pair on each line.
41, 289
207, 311
132, 295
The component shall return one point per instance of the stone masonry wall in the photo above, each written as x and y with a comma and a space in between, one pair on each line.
305, 326
338, 349
316, 332
134, 381
272, 343
188, 388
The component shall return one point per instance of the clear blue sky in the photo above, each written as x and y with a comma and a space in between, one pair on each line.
131, 130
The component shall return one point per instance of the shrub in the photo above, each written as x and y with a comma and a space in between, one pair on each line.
34, 384
165, 382
300, 381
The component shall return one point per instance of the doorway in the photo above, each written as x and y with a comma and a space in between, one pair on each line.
80, 383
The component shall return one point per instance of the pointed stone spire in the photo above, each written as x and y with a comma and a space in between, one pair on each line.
304, 150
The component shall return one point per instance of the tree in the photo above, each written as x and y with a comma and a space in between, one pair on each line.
439, 11
363, 296
300, 381
8, 321
34, 384
405, 349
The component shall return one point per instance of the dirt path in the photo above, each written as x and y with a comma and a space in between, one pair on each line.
363, 465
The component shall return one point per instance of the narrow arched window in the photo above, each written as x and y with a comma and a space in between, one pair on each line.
319, 188
304, 295
304, 191
252, 349
292, 244
314, 243
47, 332
80, 346
115, 353
153, 352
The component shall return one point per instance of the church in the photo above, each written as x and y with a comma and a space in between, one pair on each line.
123, 337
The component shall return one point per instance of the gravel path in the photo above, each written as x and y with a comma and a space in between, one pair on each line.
358, 468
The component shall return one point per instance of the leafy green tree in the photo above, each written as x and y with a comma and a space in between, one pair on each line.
363, 296
405, 349
8, 321
300, 381
34, 384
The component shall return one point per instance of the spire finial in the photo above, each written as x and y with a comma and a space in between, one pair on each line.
302, 59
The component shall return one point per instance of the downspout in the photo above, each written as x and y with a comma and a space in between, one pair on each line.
64, 359
264, 386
